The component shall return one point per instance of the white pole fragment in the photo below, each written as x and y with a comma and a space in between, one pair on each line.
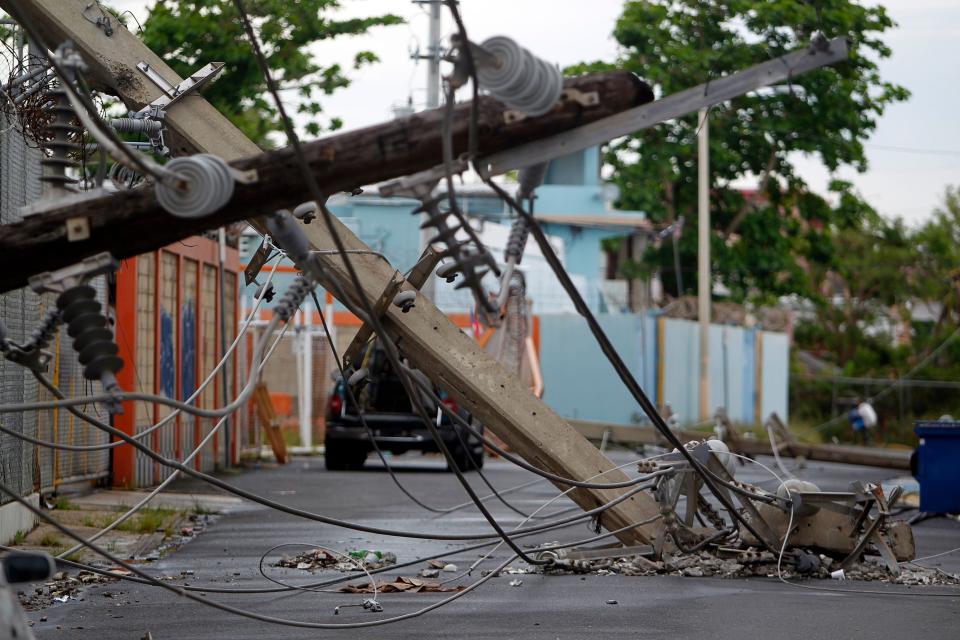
703, 257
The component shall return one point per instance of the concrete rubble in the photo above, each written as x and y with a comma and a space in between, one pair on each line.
757, 564
319, 559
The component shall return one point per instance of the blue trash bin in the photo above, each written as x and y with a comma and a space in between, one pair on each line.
937, 465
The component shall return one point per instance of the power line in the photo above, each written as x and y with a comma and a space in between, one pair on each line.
920, 150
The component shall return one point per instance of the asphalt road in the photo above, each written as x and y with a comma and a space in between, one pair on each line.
548, 607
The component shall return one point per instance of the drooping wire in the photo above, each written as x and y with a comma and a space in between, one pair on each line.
176, 473
87, 111
243, 493
614, 358
786, 537
373, 440
317, 585
167, 419
237, 610
390, 348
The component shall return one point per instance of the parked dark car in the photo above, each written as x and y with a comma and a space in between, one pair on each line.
391, 418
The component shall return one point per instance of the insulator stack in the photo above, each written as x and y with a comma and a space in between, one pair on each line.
208, 186
530, 179
124, 177
65, 140
43, 335
517, 241
519, 79
92, 337
293, 298
143, 126
473, 263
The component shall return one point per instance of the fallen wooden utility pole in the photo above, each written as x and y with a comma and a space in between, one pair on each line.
786, 447
425, 335
116, 222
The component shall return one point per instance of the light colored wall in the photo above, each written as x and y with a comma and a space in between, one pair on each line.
580, 383
776, 373
15, 517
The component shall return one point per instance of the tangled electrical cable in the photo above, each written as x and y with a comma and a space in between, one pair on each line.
372, 318
292, 301
372, 437
171, 416
88, 115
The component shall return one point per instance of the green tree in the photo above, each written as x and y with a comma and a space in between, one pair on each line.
938, 266
763, 241
191, 33
865, 285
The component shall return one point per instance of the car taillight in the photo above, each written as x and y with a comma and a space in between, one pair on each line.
451, 404
335, 406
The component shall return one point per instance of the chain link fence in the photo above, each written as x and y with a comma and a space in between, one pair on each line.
298, 377
23, 466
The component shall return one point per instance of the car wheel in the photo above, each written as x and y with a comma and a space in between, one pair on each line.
477, 457
341, 457
466, 460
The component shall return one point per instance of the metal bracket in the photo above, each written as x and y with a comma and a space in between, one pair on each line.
102, 21
421, 184
511, 116
157, 110
78, 229
421, 271
584, 98
30, 358
380, 307
250, 176
74, 275
173, 94
256, 263
598, 553
418, 277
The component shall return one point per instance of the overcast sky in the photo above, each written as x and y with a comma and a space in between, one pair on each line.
914, 153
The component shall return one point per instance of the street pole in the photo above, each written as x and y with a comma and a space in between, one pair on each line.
433, 101
306, 394
703, 258
225, 372
433, 62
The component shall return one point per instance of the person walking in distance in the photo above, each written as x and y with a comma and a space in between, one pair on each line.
869, 417
856, 422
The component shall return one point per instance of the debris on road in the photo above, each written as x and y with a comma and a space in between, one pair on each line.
62, 588
749, 564
401, 585
319, 559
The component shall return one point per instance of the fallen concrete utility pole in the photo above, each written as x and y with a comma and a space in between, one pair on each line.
425, 335
116, 222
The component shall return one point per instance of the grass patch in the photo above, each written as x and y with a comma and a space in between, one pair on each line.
88, 521
76, 556
50, 539
149, 520
291, 437
19, 537
200, 510
64, 505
